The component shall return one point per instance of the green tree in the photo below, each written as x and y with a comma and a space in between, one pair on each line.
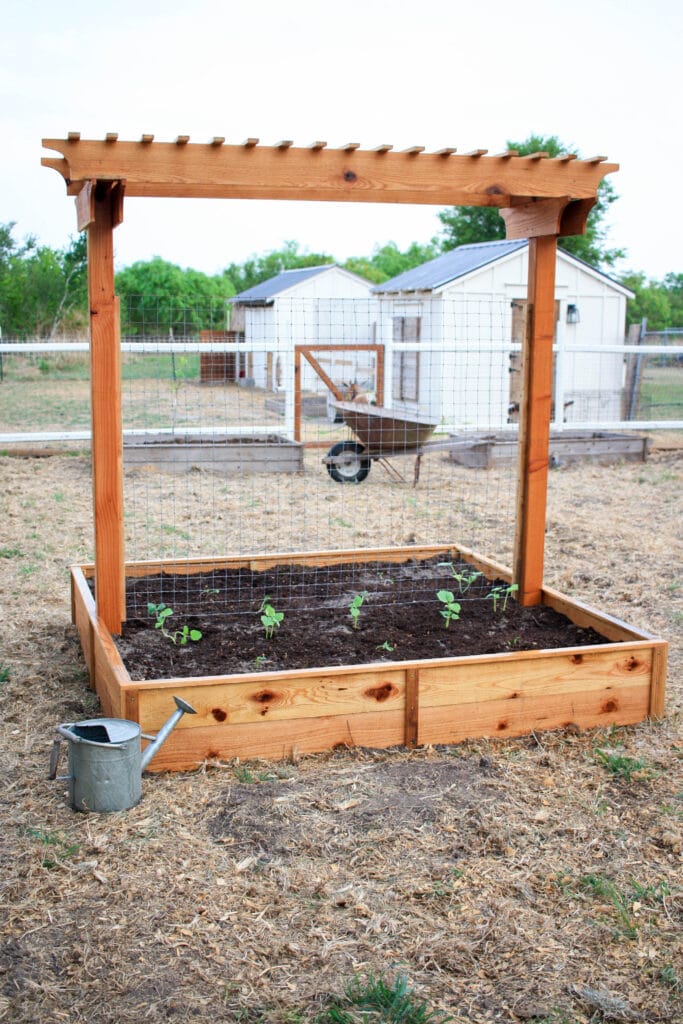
387, 260
659, 302
158, 297
42, 290
261, 268
465, 225
674, 287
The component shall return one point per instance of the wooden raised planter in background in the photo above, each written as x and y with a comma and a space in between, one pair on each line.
445, 700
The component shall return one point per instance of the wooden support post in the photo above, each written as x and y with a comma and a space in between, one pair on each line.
107, 433
379, 378
534, 431
412, 708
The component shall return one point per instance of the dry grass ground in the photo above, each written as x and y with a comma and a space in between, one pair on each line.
537, 879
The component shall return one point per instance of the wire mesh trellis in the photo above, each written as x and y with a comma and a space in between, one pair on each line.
227, 433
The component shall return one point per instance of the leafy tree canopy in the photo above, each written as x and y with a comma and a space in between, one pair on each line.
42, 290
659, 302
160, 298
465, 225
261, 268
388, 261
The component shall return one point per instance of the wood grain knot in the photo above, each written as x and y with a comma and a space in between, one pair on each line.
577, 659
609, 706
350, 176
502, 726
381, 693
264, 696
219, 714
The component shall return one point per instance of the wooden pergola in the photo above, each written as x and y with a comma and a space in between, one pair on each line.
540, 198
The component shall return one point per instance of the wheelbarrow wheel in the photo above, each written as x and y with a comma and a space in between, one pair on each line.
350, 465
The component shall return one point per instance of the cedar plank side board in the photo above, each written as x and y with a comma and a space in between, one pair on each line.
382, 704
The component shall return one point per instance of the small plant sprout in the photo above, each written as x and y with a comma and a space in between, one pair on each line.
502, 594
355, 607
386, 646
269, 617
179, 636
260, 660
465, 579
451, 608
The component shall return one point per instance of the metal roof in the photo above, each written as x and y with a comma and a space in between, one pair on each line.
267, 290
452, 265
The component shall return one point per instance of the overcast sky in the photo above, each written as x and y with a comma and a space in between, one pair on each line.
603, 75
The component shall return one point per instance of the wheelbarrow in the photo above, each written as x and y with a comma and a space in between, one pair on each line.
382, 435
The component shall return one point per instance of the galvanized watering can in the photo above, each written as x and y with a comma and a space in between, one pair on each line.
106, 761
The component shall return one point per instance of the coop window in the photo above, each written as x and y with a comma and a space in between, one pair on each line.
406, 375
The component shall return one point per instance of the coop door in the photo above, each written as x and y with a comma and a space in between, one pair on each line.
406, 369
516, 376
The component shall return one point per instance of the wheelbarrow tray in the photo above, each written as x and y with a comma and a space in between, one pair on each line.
385, 432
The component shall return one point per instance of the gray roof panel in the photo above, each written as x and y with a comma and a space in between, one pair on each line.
452, 265
267, 290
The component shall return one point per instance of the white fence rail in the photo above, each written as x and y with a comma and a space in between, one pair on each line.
157, 347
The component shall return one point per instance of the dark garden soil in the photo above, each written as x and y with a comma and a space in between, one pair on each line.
400, 619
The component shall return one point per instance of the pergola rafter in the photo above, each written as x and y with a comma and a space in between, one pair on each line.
540, 198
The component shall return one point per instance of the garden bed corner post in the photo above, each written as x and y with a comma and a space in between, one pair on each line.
535, 418
99, 207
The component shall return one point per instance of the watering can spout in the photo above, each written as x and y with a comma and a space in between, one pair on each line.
182, 708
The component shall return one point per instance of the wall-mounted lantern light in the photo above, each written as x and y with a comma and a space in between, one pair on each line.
573, 316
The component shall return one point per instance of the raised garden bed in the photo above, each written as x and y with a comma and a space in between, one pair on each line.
612, 676
220, 453
482, 451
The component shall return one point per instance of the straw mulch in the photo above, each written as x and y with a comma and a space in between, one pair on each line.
530, 880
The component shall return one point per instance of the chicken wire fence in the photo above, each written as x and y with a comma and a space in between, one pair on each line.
322, 424
310, 426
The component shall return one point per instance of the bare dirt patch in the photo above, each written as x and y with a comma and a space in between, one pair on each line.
537, 879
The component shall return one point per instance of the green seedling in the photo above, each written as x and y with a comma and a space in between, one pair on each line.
210, 590
10, 553
451, 608
4, 673
260, 660
465, 579
386, 646
502, 594
622, 766
355, 607
269, 617
387, 999
179, 636
603, 888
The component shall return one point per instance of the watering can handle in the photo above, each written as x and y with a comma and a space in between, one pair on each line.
75, 738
